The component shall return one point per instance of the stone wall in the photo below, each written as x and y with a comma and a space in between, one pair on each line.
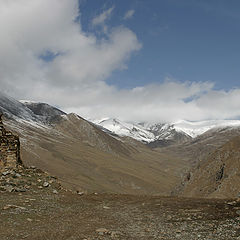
9, 148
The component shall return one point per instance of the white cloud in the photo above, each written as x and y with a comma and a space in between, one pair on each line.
75, 79
100, 19
169, 101
129, 14
30, 28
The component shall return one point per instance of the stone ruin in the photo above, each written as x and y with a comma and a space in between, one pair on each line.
9, 148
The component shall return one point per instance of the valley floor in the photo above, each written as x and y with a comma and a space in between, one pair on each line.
67, 216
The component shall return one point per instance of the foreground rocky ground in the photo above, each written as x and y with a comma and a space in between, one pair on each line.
43, 215
22, 179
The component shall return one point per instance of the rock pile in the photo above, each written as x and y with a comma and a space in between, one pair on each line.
22, 179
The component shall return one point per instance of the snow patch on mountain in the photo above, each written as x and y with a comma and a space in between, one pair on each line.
149, 132
145, 132
13, 109
195, 129
125, 129
28, 113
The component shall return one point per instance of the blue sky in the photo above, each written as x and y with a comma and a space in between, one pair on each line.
188, 40
136, 60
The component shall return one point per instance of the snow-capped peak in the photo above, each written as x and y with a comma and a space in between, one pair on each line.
148, 132
121, 128
195, 129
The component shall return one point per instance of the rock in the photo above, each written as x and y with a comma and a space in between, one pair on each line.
18, 175
20, 189
115, 233
105, 207
231, 203
29, 220
55, 191
9, 206
5, 173
6, 207
9, 188
102, 231
80, 193
45, 184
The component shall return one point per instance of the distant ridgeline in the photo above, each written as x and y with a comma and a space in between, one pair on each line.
9, 148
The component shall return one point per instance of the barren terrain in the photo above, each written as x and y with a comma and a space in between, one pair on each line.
44, 215
86, 159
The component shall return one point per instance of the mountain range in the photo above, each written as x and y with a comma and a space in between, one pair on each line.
110, 155
159, 134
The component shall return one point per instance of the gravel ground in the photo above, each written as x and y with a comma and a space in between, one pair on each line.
44, 215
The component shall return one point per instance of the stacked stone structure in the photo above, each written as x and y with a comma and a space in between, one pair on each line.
9, 148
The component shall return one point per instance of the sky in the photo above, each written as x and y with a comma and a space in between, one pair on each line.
138, 60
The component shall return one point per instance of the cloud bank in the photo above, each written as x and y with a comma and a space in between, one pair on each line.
47, 57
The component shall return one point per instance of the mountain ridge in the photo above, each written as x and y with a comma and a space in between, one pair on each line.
85, 158
157, 133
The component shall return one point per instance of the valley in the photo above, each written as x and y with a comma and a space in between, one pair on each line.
119, 120
104, 157
110, 185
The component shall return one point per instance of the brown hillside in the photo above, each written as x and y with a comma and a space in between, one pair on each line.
219, 174
86, 159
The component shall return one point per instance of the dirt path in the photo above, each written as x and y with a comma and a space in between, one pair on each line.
65, 216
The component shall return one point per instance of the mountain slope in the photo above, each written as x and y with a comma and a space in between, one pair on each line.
167, 134
14, 109
44, 111
125, 129
219, 174
145, 132
85, 158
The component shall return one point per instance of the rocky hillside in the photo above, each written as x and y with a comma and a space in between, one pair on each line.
44, 111
218, 175
22, 179
13, 109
